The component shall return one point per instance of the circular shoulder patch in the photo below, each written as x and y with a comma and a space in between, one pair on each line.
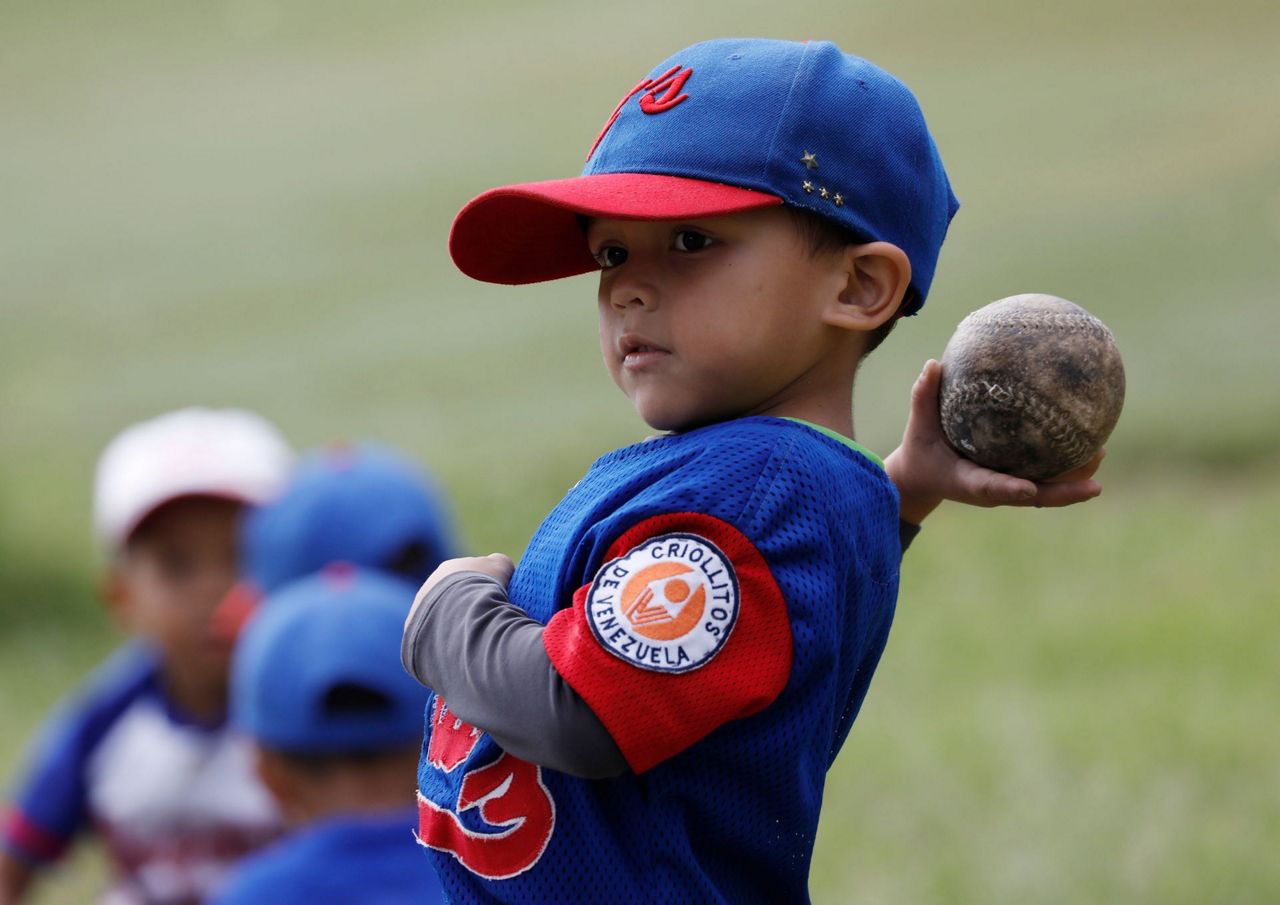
667, 605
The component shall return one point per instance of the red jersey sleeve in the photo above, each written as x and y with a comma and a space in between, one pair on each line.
682, 629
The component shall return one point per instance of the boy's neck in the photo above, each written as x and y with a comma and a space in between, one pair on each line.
824, 394
353, 790
201, 702
836, 417
823, 398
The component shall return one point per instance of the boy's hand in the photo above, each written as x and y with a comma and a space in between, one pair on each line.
15, 878
926, 470
496, 565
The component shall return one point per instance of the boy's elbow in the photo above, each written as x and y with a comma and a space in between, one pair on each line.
585, 755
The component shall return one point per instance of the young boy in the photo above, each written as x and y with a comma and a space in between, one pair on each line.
336, 722
647, 708
142, 754
365, 504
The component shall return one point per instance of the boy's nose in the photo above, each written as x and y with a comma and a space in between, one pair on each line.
633, 295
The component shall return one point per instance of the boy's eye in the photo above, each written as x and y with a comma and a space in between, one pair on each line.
611, 256
175, 565
689, 240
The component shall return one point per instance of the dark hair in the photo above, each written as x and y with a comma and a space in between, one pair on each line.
349, 699
318, 763
821, 236
356, 700
414, 561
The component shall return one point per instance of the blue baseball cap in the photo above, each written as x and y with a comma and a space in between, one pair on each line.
723, 127
318, 670
366, 505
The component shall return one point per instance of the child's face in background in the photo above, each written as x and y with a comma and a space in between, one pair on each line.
711, 319
178, 566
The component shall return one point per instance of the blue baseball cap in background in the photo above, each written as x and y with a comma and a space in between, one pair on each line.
366, 505
724, 127
363, 504
318, 670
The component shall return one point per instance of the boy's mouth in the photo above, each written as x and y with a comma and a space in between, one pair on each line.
638, 351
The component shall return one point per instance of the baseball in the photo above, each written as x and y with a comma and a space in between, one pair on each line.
1032, 385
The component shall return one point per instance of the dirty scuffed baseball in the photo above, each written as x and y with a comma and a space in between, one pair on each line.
1032, 385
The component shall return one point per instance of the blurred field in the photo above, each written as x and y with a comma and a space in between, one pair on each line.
246, 203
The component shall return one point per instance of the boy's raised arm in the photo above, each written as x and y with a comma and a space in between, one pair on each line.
927, 471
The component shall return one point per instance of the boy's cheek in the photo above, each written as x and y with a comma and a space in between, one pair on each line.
133, 598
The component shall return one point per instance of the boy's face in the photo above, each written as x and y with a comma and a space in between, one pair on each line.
178, 565
715, 318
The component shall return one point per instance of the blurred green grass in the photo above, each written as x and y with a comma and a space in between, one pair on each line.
246, 203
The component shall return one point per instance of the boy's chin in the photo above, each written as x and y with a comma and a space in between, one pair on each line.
674, 423
664, 414
210, 659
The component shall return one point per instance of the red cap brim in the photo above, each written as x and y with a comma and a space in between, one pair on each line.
531, 232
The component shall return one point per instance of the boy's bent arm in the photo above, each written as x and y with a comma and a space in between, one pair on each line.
486, 658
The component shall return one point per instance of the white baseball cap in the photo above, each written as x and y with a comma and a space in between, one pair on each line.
229, 453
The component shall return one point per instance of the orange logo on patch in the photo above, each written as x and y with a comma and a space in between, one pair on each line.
660, 605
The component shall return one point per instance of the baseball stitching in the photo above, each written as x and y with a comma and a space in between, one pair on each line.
1054, 421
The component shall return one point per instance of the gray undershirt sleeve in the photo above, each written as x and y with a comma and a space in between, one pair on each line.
484, 656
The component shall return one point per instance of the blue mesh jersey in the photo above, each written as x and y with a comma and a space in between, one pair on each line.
720, 598
372, 860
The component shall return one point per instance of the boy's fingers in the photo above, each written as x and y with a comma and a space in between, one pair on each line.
924, 392
1056, 494
502, 562
983, 487
498, 565
1003, 488
923, 419
992, 488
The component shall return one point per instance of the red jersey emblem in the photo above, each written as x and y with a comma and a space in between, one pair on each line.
660, 95
452, 740
507, 794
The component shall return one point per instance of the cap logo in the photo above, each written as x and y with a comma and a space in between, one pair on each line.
660, 95
667, 605
670, 84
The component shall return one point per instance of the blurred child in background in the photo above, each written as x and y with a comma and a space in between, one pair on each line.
337, 722
142, 753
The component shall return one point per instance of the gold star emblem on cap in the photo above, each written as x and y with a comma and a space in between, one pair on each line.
808, 187
823, 193
810, 160
839, 200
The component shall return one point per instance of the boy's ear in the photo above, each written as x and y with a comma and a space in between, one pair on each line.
878, 274
280, 781
114, 590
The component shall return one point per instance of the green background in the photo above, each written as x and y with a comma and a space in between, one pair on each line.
243, 203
